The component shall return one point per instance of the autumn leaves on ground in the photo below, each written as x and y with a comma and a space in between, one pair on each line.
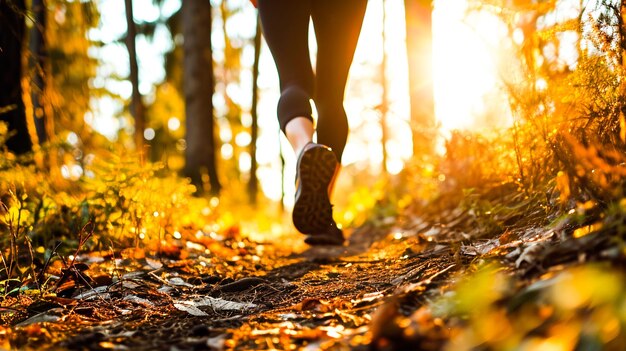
129, 259
506, 240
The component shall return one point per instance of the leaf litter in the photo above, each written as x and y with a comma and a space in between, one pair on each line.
391, 288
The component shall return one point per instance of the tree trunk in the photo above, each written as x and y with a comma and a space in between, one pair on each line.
136, 105
419, 38
38, 62
622, 54
384, 104
282, 173
622, 31
253, 185
12, 29
198, 87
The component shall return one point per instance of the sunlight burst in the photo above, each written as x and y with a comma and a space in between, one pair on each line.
465, 66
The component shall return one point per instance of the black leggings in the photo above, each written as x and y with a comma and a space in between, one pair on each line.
337, 25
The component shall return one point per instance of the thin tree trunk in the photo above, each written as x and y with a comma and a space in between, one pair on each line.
418, 16
43, 116
622, 52
198, 86
12, 29
136, 105
253, 185
622, 31
282, 173
384, 104
38, 60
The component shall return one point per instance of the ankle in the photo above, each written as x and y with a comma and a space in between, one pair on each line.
297, 149
331, 186
299, 132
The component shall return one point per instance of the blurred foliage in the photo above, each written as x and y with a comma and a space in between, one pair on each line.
560, 167
73, 68
167, 120
109, 202
234, 134
566, 146
99, 196
577, 309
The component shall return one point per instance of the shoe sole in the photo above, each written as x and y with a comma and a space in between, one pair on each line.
332, 237
312, 211
324, 240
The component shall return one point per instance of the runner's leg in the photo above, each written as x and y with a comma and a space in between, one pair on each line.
285, 26
337, 27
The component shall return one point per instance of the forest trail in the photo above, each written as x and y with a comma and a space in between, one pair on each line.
226, 292
246, 295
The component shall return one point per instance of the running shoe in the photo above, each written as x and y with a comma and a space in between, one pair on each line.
315, 170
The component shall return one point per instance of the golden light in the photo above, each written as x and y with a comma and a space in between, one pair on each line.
173, 123
465, 70
466, 49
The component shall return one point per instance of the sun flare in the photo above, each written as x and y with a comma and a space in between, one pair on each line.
465, 70
465, 66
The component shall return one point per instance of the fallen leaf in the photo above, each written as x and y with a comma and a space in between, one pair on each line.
138, 300
217, 342
93, 293
217, 304
368, 297
179, 282
42, 317
191, 309
529, 254
154, 264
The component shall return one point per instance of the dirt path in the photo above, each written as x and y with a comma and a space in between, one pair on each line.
228, 292
243, 295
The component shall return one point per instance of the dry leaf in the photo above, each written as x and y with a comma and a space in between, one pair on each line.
191, 309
